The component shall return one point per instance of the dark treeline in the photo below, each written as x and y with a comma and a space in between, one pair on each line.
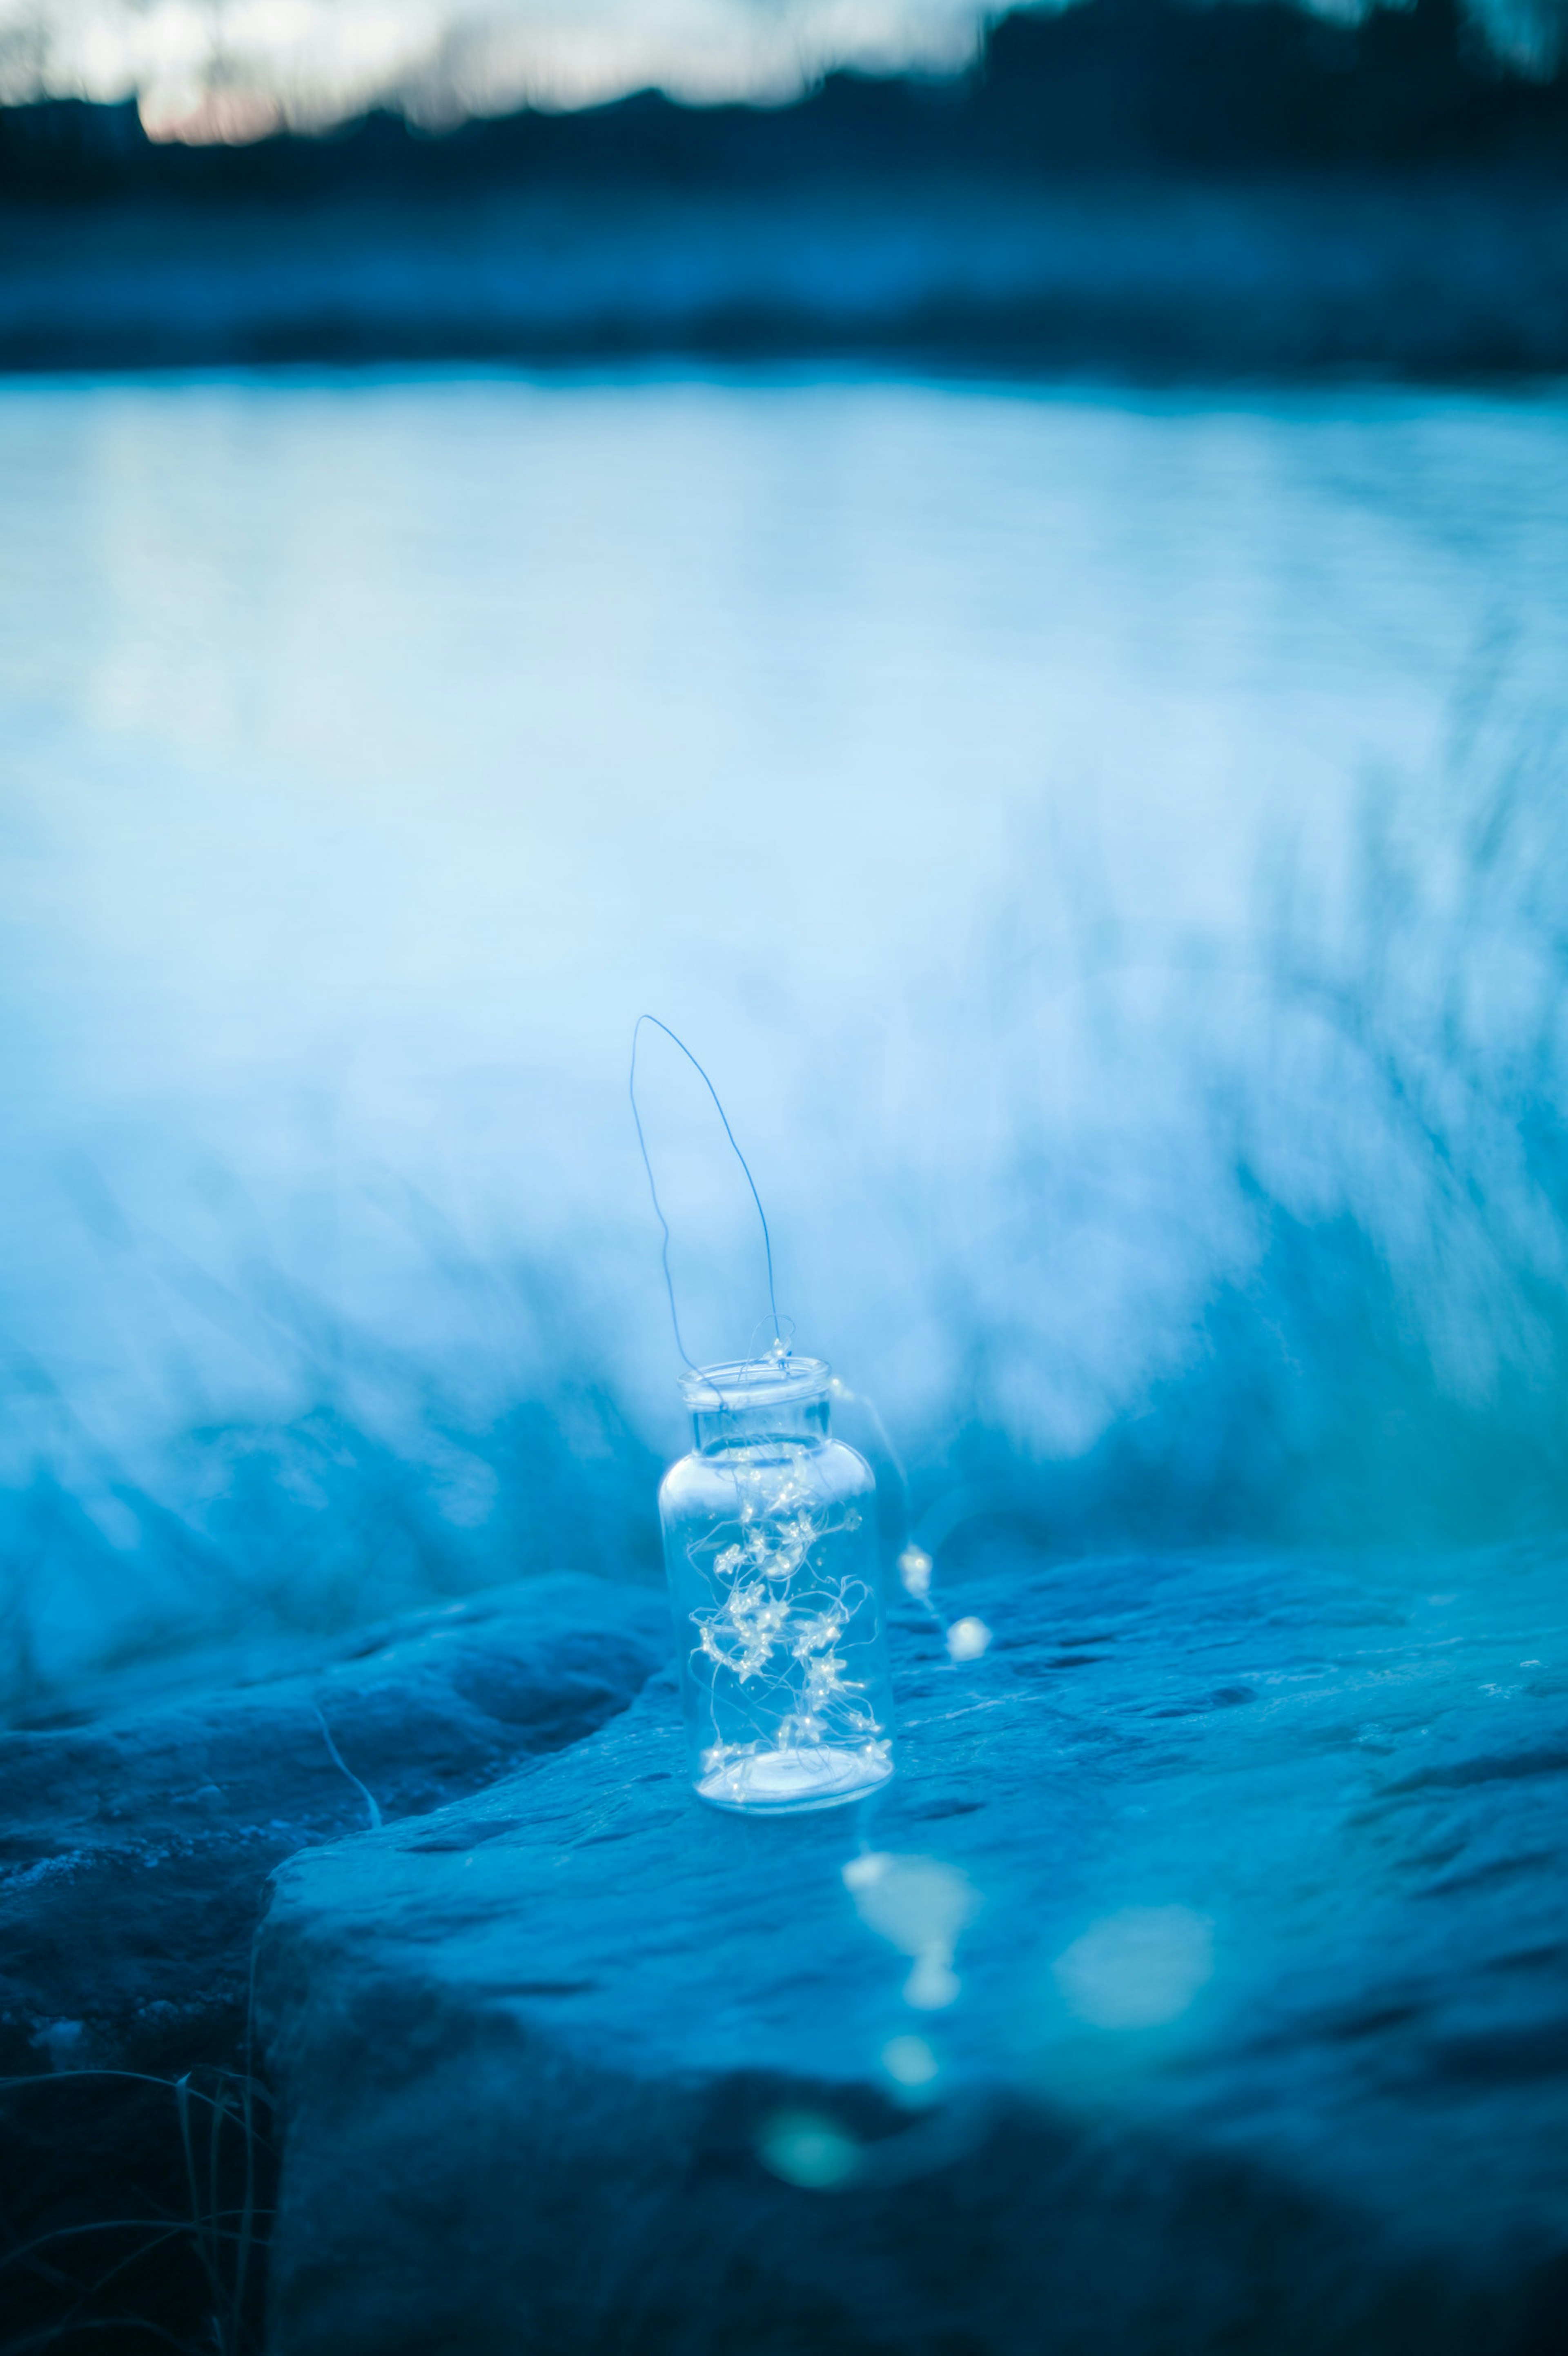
1119, 86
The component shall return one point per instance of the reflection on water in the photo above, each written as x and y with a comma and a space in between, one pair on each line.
987, 783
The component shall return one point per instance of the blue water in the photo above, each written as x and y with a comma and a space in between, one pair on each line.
1107, 851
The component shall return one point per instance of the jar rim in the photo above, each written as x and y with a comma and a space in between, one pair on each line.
745, 1383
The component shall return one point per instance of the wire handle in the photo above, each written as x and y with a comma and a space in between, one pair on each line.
653, 1192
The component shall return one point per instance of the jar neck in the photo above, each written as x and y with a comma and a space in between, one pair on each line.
792, 1423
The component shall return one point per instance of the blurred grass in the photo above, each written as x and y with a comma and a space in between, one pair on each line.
1372, 1354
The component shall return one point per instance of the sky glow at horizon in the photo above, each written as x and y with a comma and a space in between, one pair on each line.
241, 71
237, 69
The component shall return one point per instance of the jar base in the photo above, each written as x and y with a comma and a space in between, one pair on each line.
788, 1783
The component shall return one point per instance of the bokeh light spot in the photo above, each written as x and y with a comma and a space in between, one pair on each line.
920, 1906
909, 2062
1138, 1968
805, 2149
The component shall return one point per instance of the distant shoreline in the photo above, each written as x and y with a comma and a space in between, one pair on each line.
1429, 277
1157, 189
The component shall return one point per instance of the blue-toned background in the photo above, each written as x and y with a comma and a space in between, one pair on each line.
1106, 846
1008, 579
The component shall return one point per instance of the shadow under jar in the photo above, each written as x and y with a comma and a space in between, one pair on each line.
770, 1546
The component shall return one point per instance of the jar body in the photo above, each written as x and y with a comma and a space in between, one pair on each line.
771, 1548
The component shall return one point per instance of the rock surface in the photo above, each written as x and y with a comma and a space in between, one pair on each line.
1201, 1984
134, 1861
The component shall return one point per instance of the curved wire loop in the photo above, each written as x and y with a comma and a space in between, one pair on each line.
654, 1191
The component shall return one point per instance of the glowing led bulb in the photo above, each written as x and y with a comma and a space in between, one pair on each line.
968, 1639
915, 1571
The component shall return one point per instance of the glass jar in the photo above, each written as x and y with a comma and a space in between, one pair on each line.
770, 1545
